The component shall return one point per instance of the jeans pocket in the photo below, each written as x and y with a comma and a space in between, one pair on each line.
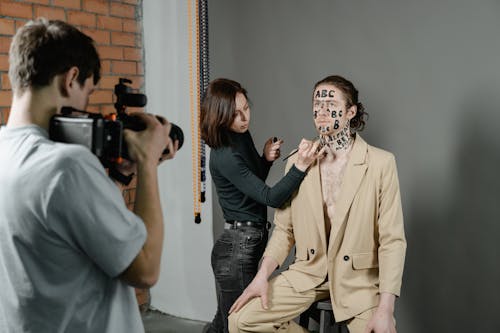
253, 242
222, 255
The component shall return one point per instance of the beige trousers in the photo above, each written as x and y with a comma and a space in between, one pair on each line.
285, 304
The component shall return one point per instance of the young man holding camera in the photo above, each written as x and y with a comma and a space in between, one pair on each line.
69, 247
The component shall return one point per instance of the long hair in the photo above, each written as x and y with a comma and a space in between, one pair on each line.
350, 92
218, 111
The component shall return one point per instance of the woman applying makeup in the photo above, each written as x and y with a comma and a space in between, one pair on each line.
239, 173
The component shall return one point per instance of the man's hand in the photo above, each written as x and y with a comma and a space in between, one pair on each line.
272, 149
383, 318
148, 145
256, 288
172, 147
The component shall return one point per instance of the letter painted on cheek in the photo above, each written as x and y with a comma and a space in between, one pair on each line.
324, 129
334, 114
323, 93
330, 93
336, 125
315, 115
340, 113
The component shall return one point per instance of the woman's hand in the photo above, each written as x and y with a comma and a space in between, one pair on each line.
307, 154
272, 149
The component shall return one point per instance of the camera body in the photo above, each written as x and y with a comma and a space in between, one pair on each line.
103, 135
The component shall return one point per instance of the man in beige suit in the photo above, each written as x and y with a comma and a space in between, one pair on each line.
346, 223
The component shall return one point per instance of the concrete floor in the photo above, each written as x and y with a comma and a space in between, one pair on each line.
157, 322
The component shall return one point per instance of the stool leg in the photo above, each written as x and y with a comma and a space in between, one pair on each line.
304, 319
325, 322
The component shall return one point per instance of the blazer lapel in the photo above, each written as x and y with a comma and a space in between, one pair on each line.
354, 174
313, 187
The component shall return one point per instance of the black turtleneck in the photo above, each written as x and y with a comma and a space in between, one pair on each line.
239, 174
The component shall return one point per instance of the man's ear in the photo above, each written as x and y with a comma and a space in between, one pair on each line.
68, 81
351, 111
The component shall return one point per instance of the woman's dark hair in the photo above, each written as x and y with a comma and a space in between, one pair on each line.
42, 49
218, 111
351, 94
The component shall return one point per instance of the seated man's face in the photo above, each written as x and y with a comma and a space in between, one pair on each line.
330, 111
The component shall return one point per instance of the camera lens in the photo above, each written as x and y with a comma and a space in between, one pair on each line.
176, 134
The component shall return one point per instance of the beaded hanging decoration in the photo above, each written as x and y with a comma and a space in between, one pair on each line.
198, 153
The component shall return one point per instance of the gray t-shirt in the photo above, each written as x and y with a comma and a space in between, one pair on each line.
65, 237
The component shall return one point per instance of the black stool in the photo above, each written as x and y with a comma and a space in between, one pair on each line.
322, 313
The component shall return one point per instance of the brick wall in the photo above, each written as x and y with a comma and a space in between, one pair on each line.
116, 27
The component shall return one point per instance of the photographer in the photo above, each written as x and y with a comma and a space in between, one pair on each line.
69, 247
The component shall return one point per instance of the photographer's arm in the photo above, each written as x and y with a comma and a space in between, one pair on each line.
146, 148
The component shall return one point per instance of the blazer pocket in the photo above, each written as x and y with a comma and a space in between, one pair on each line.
364, 260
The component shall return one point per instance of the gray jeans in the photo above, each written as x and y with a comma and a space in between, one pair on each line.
235, 260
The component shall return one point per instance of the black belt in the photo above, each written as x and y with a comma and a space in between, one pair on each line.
252, 224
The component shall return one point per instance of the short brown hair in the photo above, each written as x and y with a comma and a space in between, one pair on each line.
42, 49
218, 111
350, 92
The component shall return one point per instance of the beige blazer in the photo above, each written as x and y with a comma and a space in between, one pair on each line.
366, 249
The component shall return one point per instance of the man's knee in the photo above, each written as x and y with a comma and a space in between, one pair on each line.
241, 321
235, 322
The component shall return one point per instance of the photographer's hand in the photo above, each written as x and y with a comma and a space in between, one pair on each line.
146, 147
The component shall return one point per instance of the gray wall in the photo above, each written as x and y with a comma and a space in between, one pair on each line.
428, 73
186, 285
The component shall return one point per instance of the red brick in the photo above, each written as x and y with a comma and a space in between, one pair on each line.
131, 195
16, 9
81, 18
42, 2
140, 68
75, 4
99, 36
110, 52
108, 82
105, 66
106, 109
50, 13
19, 23
4, 115
4, 62
132, 54
122, 10
94, 108
124, 67
130, 26
5, 97
5, 81
96, 6
109, 23
6, 26
101, 96
123, 38
132, 2
5, 44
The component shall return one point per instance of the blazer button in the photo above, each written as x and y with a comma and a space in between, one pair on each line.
346, 258
312, 251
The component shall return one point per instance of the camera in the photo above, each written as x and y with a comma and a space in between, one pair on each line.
103, 135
